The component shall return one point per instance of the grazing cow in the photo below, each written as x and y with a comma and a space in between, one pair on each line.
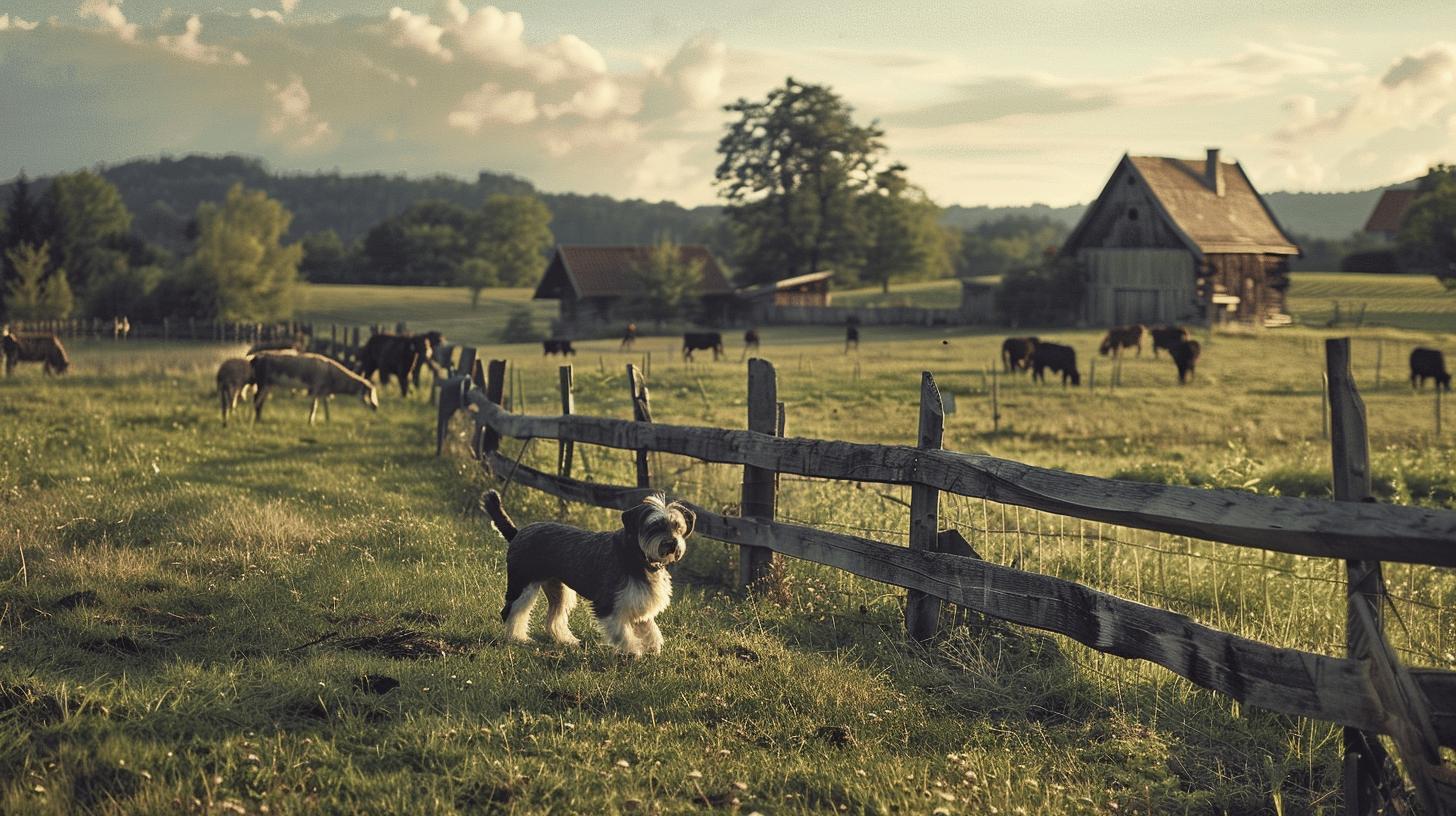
1016, 353
1121, 337
1168, 338
629, 337
1428, 364
45, 349
1059, 358
557, 346
319, 375
272, 345
750, 341
851, 338
233, 378
1185, 356
431, 359
394, 355
695, 341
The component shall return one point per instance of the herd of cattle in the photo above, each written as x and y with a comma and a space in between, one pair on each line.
403, 356
1037, 355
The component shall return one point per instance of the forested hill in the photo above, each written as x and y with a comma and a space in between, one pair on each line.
163, 195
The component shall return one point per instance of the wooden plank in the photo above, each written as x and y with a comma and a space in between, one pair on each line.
494, 390
1285, 524
1281, 680
922, 611
641, 412
565, 449
760, 485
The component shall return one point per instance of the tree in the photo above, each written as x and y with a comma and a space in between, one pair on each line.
1428, 232
424, 245
792, 166
1013, 242
86, 223
240, 268
904, 238
665, 281
325, 258
33, 295
514, 235
22, 226
519, 328
478, 274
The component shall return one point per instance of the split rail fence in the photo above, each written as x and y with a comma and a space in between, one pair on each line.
1369, 691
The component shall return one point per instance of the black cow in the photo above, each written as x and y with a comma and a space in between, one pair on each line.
1059, 358
437, 342
750, 341
851, 337
1016, 353
629, 337
45, 349
394, 355
1428, 364
695, 341
1167, 338
1185, 356
557, 345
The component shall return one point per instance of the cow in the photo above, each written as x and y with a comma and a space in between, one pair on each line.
1167, 338
1185, 356
629, 337
1428, 364
557, 345
430, 358
1016, 353
320, 375
750, 341
1121, 337
234, 377
394, 355
851, 337
45, 349
697, 341
1059, 358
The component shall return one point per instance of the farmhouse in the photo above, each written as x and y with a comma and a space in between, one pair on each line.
1389, 212
1181, 239
594, 284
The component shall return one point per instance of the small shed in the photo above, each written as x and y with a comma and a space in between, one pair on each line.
1389, 213
594, 283
803, 290
1181, 239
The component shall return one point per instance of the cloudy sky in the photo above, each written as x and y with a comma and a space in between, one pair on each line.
988, 103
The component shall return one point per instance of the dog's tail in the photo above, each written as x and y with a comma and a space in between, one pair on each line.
497, 513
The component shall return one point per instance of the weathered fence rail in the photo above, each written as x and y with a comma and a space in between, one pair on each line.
1368, 691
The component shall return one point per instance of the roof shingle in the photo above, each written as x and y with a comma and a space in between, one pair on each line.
1236, 222
1390, 210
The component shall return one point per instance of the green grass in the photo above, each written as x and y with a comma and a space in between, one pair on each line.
216, 555
421, 307
931, 294
1416, 302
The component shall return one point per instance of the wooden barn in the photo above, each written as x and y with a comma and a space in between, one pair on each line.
594, 284
1181, 239
759, 302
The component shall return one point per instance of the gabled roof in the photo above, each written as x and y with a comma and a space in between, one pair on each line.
1390, 211
1208, 223
606, 271
787, 283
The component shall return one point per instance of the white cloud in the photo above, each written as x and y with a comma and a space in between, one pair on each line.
288, 5
272, 14
1409, 94
598, 99
110, 16
293, 120
8, 22
491, 103
412, 30
691, 80
188, 45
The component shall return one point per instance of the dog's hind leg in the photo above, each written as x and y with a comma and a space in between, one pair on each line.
517, 611
561, 599
649, 634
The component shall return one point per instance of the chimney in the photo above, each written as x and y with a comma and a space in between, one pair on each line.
1213, 172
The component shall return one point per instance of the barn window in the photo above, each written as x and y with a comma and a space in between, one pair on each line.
1132, 213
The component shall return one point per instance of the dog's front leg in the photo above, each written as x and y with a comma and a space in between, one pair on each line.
620, 632
649, 634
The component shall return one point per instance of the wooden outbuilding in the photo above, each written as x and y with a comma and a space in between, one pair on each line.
1389, 213
759, 302
594, 284
1178, 240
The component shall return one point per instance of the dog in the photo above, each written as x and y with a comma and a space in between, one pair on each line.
621, 573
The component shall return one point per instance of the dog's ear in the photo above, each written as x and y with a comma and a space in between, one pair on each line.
689, 518
632, 518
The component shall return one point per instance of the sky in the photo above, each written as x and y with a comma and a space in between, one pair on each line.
987, 103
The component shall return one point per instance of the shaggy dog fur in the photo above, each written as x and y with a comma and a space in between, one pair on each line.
45, 349
620, 572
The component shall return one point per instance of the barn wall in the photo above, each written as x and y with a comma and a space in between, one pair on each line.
1139, 286
1126, 217
1258, 281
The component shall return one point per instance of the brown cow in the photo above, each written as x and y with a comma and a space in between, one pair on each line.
233, 378
1016, 353
1121, 337
45, 349
1168, 338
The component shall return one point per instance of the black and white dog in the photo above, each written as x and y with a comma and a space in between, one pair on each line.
621, 573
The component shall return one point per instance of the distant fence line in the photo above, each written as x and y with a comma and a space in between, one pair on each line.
1369, 691
333, 338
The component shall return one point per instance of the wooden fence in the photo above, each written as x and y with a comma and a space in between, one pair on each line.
1369, 691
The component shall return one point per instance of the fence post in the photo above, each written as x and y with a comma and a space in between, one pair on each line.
1438, 410
565, 447
494, 382
756, 564
641, 412
452, 399
922, 611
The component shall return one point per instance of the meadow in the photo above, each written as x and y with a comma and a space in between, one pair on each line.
284, 617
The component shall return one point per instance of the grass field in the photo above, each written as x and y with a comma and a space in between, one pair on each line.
202, 619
